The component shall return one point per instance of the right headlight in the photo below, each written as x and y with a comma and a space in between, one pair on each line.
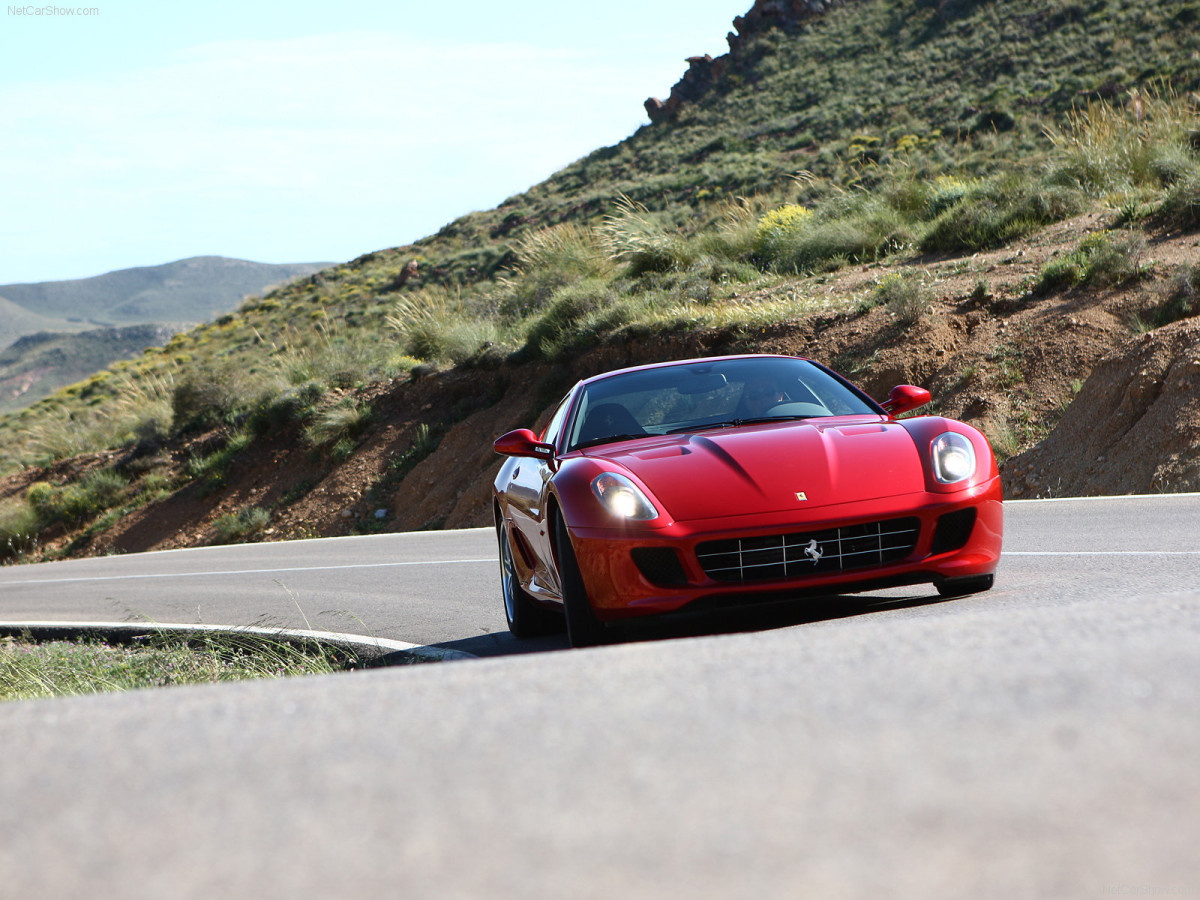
622, 498
953, 458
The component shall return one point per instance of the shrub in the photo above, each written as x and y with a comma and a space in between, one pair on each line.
18, 529
634, 236
213, 468
438, 324
136, 401
905, 296
1181, 205
1099, 260
555, 328
1007, 208
948, 191
1183, 299
547, 260
204, 398
1107, 147
80, 502
343, 420
864, 229
775, 227
731, 242
237, 526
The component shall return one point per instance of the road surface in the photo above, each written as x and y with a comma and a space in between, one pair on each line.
1039, 740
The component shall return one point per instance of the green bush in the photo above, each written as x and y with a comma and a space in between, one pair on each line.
637, 237
1181, 204
554, 328
855, 229
1114, 147
245, 523
344, 419
204, 398
1099, 260
213, 468
1007, 208
441, 325
1183, 299
79, 502
18, 528
905, 295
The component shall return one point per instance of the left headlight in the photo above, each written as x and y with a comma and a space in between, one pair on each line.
953, 458
622, 498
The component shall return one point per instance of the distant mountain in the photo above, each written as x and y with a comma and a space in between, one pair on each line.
16, 321
190, 290
37, 365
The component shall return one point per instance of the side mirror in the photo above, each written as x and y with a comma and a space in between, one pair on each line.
903, 398
523, 442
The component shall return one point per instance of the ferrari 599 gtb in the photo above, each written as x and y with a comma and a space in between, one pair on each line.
731, 480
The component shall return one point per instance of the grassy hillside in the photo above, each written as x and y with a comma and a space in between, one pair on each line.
189, 290
847, 174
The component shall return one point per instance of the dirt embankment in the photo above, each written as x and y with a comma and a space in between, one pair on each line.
1072, 397
1134, 428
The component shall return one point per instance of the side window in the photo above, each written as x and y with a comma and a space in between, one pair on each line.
554, 426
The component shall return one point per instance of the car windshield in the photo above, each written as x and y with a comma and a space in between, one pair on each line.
708, 395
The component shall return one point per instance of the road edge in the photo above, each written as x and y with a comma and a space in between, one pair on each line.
372, 650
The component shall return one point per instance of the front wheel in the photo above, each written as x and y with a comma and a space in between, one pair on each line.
583, 628
525, 617
960, 587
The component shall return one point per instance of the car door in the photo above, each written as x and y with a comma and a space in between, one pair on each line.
528, 493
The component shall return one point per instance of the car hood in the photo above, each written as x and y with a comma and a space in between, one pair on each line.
774, 467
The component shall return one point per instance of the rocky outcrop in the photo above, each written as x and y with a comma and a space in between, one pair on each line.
704, 71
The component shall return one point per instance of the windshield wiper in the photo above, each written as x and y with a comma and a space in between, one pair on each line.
737, 423
608, 439
704, 426
760, 419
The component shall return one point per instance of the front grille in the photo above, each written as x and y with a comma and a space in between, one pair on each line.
781, 556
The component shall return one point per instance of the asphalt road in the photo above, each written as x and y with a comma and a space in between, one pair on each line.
1040, 740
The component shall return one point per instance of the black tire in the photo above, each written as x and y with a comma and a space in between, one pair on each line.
583, 628
525, 617
960, 587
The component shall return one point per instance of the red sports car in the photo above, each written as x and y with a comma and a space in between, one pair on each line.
730, 480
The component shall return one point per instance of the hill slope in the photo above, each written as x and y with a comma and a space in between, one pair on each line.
954, 225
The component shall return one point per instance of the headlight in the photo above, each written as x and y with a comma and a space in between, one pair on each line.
953, 458
622, 498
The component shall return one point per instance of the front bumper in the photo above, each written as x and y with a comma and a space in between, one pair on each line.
620, 588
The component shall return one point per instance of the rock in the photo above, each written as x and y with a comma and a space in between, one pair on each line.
704, 71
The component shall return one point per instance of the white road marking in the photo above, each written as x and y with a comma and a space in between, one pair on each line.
1104, 497
391, 565
1101, 553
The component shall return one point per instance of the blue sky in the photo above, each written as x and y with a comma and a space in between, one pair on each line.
297, 132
